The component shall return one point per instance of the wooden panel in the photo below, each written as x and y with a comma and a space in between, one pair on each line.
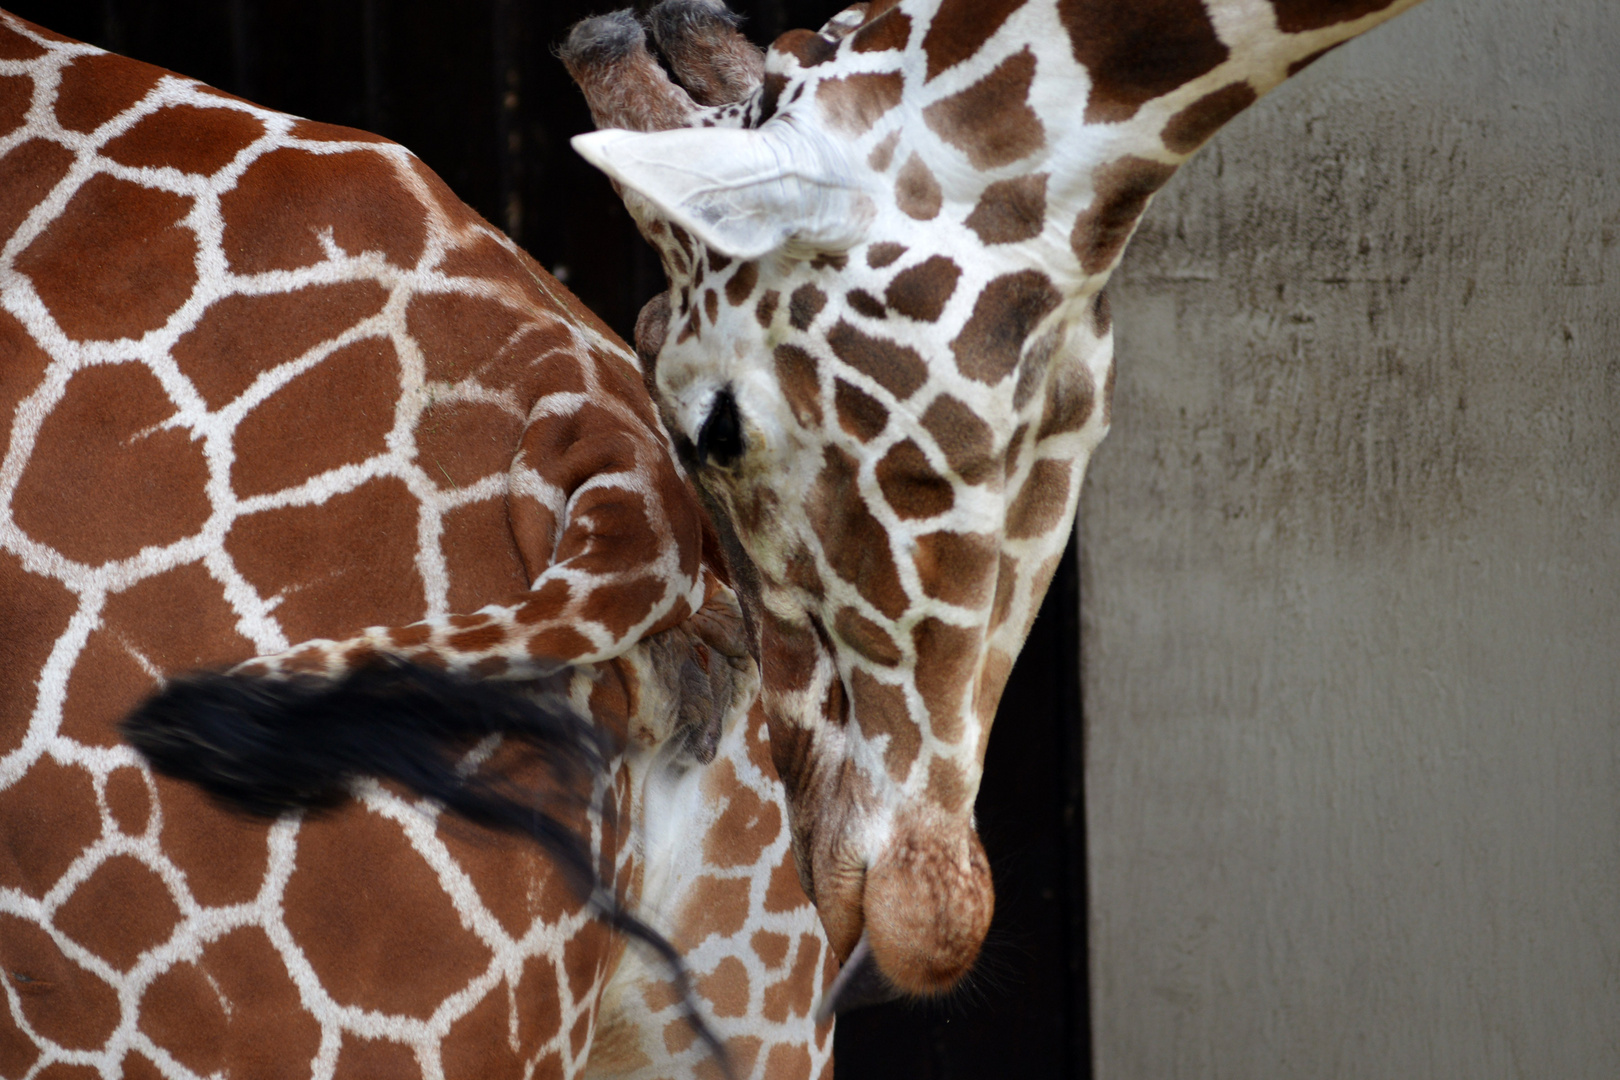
1351, 575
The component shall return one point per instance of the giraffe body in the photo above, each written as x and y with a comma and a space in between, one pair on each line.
886, 356
269, 393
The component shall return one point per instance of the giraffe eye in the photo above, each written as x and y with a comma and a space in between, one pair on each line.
721, 436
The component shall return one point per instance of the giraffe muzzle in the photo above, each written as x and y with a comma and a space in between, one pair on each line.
927, 905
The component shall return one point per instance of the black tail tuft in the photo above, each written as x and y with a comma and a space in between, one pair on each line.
267, 747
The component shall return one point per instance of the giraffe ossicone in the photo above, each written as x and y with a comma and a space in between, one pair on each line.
886, 267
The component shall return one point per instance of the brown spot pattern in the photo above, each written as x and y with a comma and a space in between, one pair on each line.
1297, 16
187, 138
801, 385
960, 27
789, 1061
765, 310
128, 801
859, 413
101, 284
1188, 129
27, 175
963, 437
809, 48
358, 544
35, 610
13, 46
880, 709
726, 987
792, 994
1040, 503
119, 912
1069, 400
916, 191
855, 542
910, 485
366, 1059
48, 817
882, 155
956, 567
392, 941
1123, 190
853, 103
16, 95
290, 437
461, 335
1010, 210
864, 303
883, 253
890, 30
785, 893
286, 199
1136, 52
267, 1028
804, 305
473, 562
457, 442
921, 292
946, 659
741, 285
947, 787
1102, 315
745, 828
79, 1010
1006, 311
771, 948
992, 681
866, 637
181, 1013
991, 121
102, 483
97, 88
895, 367
716, 906
240, 337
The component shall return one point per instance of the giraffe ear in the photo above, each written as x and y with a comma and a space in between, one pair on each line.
743, 193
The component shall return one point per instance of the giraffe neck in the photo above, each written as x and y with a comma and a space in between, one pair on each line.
887, 360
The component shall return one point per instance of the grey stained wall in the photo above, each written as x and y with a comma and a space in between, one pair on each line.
1351, 575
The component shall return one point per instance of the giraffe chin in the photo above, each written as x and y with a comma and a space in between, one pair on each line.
928, 902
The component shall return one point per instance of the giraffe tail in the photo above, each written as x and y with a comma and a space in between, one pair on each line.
267, 747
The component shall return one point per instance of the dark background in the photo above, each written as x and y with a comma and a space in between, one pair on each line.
473, 88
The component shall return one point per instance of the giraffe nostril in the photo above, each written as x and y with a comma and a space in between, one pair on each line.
721, 436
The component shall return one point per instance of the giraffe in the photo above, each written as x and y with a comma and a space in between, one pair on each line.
885, 355
267, 386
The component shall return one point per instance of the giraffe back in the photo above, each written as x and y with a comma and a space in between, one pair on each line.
265, 382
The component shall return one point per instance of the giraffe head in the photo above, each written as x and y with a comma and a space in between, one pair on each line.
885, 356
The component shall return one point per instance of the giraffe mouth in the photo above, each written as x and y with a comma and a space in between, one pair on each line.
860, 982
910, 922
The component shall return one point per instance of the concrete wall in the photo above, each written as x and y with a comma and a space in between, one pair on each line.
1351, 575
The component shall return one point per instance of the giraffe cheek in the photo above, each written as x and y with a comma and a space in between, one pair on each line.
928, 905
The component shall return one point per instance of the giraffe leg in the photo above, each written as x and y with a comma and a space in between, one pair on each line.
715, 63
623, 83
